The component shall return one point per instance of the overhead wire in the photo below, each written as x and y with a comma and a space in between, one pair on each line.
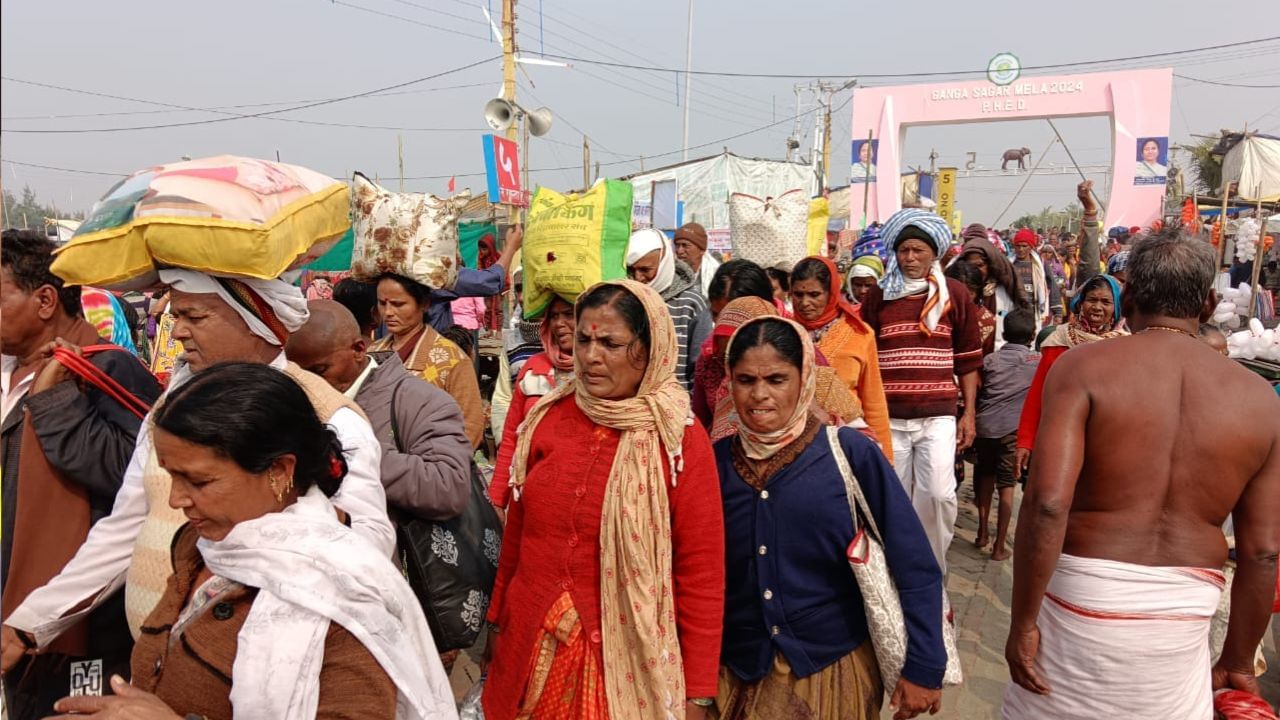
411, 21
213, 108
625, 87
228, 117
603, 39
1054, 66
1225, 84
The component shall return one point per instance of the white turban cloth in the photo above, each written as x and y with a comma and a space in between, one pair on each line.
645, 241
273, 309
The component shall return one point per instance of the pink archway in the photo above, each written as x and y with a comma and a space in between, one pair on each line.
1137, 102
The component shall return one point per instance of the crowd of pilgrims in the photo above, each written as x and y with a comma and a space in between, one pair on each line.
675, 458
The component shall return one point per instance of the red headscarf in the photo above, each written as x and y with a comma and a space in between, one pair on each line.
561, 360
836, 304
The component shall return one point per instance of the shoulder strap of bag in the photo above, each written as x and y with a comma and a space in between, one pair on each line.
853, 491
395, 423
95, 376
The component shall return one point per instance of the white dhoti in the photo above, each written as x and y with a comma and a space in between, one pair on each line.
1122, 641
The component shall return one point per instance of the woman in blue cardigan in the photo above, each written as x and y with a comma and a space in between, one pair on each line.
796, 643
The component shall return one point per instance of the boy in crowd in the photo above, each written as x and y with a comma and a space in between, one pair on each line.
1007, 374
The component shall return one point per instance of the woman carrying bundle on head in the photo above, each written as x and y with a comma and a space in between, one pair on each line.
402, 305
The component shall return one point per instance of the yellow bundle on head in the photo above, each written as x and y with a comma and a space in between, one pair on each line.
572, 242
410, 234
225, 215
819, 217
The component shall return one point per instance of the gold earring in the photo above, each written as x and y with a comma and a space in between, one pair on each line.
275, 488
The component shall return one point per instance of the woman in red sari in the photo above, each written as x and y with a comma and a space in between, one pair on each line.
610, 591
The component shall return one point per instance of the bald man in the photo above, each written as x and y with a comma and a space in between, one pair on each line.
426, 457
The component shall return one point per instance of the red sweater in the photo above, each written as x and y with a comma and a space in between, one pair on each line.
552, 545
521, 404
1029, 423
919, 370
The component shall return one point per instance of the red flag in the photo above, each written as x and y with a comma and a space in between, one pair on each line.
453, 183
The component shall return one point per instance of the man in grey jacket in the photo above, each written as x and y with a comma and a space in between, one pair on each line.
426, 470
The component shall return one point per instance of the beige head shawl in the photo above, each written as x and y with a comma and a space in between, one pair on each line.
644, 673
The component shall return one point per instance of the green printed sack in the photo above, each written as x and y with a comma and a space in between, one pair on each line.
572, 242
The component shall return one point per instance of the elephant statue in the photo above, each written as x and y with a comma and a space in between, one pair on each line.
1019, 154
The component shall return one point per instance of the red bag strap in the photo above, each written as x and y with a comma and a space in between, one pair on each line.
94, 375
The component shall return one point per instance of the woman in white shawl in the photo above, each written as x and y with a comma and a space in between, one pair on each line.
276, 609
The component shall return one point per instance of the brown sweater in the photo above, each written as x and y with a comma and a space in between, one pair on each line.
437, 360
194, 677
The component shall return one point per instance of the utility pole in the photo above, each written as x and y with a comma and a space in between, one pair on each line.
933, 172
586, 163
688, 80
816, 154
509, 57
400, 158
793, 142
826, 143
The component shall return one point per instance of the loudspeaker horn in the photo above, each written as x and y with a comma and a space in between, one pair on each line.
499, 114
539, 121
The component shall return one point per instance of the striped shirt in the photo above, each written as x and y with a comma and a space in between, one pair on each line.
919, 371
692, 318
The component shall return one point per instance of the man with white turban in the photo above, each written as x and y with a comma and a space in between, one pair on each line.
651, 259
217, 320
927, 336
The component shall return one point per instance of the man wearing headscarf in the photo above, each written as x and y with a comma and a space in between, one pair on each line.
651, 259
691, 246
1118, 267
870, 243
1030, 271
217, 320
927, 336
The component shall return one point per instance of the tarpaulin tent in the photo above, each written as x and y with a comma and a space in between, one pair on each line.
469, 235
1253, 164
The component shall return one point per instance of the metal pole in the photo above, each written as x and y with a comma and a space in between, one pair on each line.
688, 80
1076, 164
866, 187
524, 151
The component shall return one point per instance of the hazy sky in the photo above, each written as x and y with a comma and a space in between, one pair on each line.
238, 52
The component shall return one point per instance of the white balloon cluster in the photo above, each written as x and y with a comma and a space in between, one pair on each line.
1233, 303
1248, 233
1255, 342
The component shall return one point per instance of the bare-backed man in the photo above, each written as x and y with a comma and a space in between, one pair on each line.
1119, 546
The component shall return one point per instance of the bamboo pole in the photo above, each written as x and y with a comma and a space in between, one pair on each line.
1222, 225
1259, 251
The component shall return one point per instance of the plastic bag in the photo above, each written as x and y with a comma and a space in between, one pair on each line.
471, 708
819, 215
572, 242
225, 215
409, 234
1240, 705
